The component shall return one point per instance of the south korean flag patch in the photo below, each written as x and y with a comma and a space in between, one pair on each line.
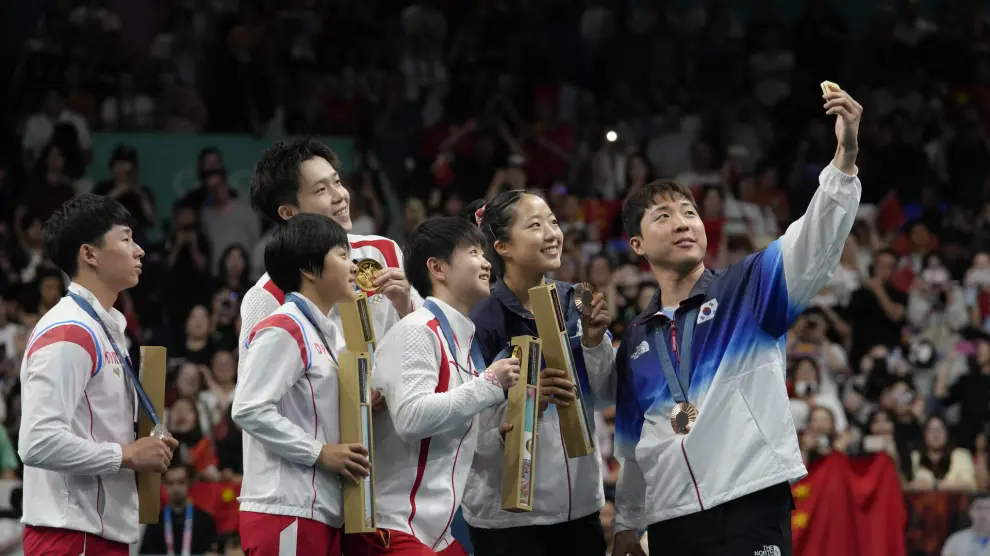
707, 311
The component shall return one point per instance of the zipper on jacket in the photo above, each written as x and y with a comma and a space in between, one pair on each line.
567, 468
453, 491
673, 342
693, 480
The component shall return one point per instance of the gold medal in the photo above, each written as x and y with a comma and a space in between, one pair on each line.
584, 297
516, 353
682, 418
366, 270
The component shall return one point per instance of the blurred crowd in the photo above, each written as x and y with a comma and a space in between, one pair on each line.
449, 101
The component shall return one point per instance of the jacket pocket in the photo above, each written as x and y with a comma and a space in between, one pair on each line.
727, 448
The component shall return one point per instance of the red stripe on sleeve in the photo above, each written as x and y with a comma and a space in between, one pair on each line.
278, 294
386, 246
443, 377
285, 322
67, 332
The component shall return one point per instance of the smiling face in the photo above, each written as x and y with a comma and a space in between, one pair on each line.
337, 282
535, 239
467, 274
673, 235
321, 192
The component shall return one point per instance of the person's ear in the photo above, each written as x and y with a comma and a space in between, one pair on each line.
286, 212
636, 244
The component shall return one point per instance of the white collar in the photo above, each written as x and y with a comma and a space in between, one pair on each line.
322, 321
112, 319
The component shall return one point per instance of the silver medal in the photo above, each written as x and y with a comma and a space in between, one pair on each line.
160, 432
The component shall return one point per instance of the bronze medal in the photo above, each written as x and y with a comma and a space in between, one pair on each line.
584, 297
682, 417
366, 271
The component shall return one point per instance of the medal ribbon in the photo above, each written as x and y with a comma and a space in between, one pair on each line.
146, 404
305, 310
186, 531
679, 378
477, 360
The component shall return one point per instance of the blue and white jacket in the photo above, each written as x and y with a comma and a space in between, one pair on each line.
744, 439
564, 489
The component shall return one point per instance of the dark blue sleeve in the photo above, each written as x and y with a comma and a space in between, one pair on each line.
487, 331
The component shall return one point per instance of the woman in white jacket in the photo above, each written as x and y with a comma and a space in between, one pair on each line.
524, 242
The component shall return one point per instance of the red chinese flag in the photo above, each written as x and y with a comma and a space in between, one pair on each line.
824, 519
218, 500
882, 516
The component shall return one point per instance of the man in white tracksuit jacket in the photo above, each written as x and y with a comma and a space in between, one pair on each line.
703, 424
301, 177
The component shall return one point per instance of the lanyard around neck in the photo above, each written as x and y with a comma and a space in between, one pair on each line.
305, 310
125, 361
187, 529
477, 360
679, 378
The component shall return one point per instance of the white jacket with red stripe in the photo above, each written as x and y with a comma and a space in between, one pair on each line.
286, 401
78, 407
264, 298
424, 447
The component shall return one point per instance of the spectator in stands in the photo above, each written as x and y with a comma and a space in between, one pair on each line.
196, 347
939, 464
225, 320
809, 337
49, 190
39, 129
189, 381
876, 309
969, 390
28, 253
807, 393
195, 448
977, 284
128, 110
221, 378
188, 279
821, 438
973, 539
49, 290
879, 436
936, 305
168, 535
227, 220
838, 292
234, 267
210, 160
125, 186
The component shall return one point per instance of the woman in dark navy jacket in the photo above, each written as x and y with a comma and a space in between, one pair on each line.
524, 242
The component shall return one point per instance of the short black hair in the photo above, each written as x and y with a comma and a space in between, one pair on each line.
437, 237
205, 152
497, 217
642, 198
82, 220
177, 463
276, 174
301, 245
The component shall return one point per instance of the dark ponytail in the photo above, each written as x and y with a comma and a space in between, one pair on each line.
495, 217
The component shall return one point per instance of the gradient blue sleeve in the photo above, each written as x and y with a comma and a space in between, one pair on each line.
781, 280
629, 415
